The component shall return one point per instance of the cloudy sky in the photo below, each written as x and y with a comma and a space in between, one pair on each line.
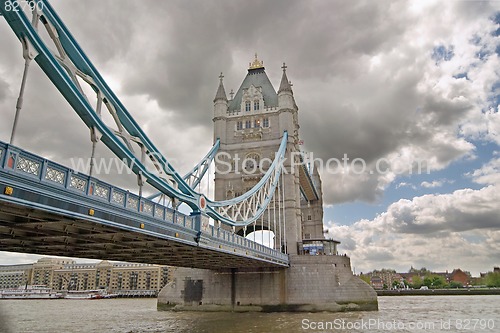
391, 81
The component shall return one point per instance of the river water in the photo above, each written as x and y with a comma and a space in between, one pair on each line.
396, 314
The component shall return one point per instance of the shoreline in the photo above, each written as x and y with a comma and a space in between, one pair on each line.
436, 292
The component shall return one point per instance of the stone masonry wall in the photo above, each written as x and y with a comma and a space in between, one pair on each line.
312, 283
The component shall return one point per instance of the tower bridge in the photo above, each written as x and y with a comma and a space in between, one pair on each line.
47, 208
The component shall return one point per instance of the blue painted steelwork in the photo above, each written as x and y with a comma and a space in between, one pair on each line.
54, 188
306, 169
202, 167
199, 171
274, 171
72, 59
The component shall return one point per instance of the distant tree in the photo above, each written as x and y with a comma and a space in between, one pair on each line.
455, 284
438, 281
480, 281
427, 281
395, 284
434, 281
417, 282
492, 279
385, 286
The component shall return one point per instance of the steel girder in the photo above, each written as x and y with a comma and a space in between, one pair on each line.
71, 64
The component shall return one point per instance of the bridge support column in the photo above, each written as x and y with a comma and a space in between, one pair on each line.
312, 283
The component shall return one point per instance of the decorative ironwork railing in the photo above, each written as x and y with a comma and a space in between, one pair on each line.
21, 163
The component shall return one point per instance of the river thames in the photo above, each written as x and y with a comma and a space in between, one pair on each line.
396, 314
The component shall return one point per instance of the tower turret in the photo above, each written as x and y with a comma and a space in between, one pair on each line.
220, 112
285, 93
288, 109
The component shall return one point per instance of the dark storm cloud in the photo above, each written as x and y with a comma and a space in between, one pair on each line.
318, 39
102, 28
171, 53
196, 43
4, 87
47, 124
326, 45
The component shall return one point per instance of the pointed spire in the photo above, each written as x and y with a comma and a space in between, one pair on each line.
285, 84
221, 92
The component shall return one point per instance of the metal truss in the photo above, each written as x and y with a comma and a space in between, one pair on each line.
194, 177
69, 67
250, 206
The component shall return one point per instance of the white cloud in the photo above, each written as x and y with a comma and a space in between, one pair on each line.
405, 184
436, 183
488, 173
436, 231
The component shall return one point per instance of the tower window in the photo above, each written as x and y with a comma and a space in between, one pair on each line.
252, 161
256, 123
239, 125
256, 105
265, 122
248, 124
309, 217
247, 106
250, 164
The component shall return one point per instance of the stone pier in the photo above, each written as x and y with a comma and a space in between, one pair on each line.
311, 284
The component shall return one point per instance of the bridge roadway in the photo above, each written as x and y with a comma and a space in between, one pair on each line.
48, 209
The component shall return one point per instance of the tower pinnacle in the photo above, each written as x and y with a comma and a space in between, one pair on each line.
221, 92
256, 63
285, 84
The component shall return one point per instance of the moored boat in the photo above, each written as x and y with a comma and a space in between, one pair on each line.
86, 294
30, 292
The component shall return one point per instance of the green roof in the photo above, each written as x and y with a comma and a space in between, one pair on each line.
258, 78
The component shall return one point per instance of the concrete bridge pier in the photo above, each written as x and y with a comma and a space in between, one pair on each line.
311, 284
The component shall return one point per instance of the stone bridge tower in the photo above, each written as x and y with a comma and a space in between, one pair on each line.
250, 127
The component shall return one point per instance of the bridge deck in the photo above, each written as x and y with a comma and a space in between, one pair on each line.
43, 211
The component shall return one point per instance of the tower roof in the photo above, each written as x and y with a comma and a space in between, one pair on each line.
221, 92
257, 77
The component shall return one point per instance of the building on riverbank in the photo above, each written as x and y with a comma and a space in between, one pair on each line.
67, 274
389, 279
13, 276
